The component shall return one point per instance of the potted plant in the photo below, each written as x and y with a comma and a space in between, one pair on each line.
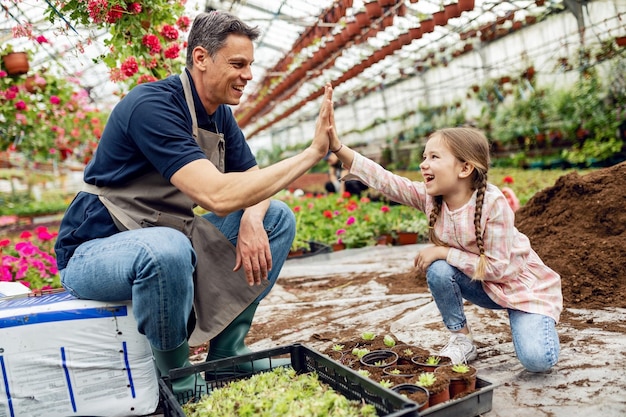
462, 378
431, 362
14, 62
438, 387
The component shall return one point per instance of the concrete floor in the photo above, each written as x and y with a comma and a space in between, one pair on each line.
589, 379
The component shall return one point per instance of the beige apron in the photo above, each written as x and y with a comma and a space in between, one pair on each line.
220, 294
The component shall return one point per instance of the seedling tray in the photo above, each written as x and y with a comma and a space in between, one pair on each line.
304, 360
342, 379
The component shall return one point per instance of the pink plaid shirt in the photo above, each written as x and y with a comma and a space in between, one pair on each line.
515, 277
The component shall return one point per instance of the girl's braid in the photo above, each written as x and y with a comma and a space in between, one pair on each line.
434, 214
481, 187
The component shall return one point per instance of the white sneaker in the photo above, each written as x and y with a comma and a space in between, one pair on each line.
459, 348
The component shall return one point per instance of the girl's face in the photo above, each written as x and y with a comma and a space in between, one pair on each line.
442, 171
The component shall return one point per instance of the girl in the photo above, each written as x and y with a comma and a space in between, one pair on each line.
478, 254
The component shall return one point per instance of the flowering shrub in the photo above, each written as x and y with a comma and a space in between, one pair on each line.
30, 260
47, 117
355, 222
145, 35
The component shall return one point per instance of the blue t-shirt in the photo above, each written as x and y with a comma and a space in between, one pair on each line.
149, 129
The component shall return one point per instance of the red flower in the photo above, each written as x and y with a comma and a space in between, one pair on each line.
328, 214
146, 78
508, 180
114, 14
41, 39
130, 67
134, 8
153, 43
169, 32
172, 52
183, 23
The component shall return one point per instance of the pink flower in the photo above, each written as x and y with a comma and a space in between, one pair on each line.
297, 209
350, 220
511, 198
3, 74
41, 39
55, 100
20, 105
384, 209
340, 232
26, 235
97, 10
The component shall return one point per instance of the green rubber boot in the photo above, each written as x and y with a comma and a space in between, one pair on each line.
186, 388
230, 342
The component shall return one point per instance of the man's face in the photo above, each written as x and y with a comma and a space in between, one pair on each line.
227, 73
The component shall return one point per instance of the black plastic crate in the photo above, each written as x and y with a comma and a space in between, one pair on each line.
303, 359
472, 405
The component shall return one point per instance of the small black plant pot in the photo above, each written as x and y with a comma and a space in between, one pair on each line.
414, 392
380, 358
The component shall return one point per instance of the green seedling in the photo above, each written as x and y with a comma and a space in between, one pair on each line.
338, 348
379, 363
408, 352
386, 383
359, 353
389, 341
364, 372
395, 372
433, 360
460, 368
426, 379
369, 336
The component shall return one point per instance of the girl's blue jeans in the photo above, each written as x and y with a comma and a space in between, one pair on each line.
154, 268
535, 338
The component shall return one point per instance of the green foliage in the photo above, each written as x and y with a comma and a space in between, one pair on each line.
389, 341
368, 336
279, 392
426, 379
460, 368
433, 360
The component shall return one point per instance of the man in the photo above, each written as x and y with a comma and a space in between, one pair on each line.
168, 146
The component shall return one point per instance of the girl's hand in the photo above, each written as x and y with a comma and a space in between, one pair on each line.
335, 143
323, 123
429, 255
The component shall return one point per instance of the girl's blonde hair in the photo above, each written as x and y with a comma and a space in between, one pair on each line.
467, 145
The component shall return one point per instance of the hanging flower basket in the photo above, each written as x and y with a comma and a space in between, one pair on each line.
16, 63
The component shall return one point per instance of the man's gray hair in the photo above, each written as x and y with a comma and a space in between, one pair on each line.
210, 30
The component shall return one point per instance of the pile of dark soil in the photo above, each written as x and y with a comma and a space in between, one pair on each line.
578, 229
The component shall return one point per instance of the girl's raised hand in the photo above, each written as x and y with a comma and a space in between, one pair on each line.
323, 124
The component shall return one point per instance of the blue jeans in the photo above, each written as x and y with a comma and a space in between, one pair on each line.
154, 268
535, 338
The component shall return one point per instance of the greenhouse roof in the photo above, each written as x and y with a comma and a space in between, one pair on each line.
282, 47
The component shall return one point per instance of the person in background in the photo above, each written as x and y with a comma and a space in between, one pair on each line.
477, 253
132, 232
333, 185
